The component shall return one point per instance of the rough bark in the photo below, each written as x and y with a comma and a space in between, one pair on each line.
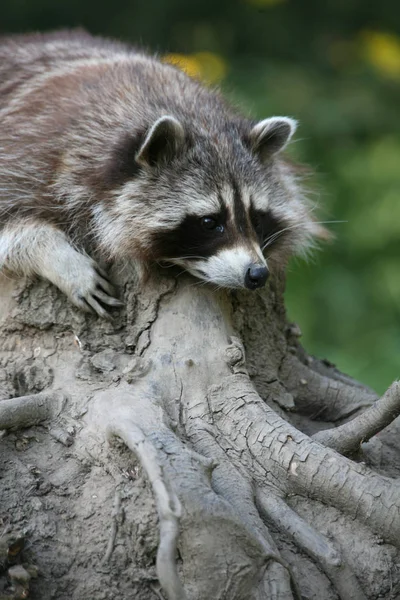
190, 449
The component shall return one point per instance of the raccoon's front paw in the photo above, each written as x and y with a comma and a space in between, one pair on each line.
88, 287
96, 294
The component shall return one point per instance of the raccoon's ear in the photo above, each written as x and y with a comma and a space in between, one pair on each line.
270, 136
163, 142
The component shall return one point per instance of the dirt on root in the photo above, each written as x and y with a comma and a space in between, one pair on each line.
61, 507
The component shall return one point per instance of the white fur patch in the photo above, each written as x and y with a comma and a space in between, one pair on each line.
227, 268
132, 216
281, 128
37, 248
227, 195
260, 201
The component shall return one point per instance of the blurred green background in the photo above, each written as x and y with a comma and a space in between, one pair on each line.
335, 66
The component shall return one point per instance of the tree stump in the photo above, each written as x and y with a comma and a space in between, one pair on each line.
189, 449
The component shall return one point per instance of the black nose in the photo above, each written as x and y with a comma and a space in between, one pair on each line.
256, 276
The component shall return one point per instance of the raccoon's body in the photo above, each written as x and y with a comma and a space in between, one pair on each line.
107, 150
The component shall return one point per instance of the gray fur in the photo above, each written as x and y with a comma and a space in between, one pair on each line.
107, 150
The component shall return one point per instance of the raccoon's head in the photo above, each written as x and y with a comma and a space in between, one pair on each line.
225, 208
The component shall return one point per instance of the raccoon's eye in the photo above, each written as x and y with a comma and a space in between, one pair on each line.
208, 223
211, 224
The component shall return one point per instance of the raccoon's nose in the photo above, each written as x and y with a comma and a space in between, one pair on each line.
256, 276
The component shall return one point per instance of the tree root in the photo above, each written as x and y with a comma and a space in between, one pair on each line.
241, 498
319, 396
348, 438
220, 461
313, 543
253, 446
276, 453
327, 369
279, 454
26, 411
299, 458
157, 592
114, 527
122, 425
212, 526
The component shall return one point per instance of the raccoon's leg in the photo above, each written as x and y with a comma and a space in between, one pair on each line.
35, 247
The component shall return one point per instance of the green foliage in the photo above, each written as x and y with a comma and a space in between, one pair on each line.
335, 66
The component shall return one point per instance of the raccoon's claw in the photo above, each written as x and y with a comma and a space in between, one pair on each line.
93, 292
95, 300
103, 296
101, 273
90, 304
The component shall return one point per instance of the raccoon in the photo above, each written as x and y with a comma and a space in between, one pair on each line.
106, 151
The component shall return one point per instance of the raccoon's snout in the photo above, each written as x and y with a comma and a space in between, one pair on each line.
256, 276
232, 268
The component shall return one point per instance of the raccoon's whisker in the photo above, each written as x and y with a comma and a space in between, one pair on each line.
191, 256
165, 264
275, 235
199, 283
326, 222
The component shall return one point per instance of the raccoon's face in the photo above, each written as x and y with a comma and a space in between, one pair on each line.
225, 212
221, 241
231, 216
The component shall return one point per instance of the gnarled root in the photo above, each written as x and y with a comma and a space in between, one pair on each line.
321, 397
312, 542
279, 454
243, 460
225, 468
214, 529
348, 438
25, 411
134, 423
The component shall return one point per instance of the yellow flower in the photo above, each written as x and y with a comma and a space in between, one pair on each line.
206, 66
382, 51
187, 63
